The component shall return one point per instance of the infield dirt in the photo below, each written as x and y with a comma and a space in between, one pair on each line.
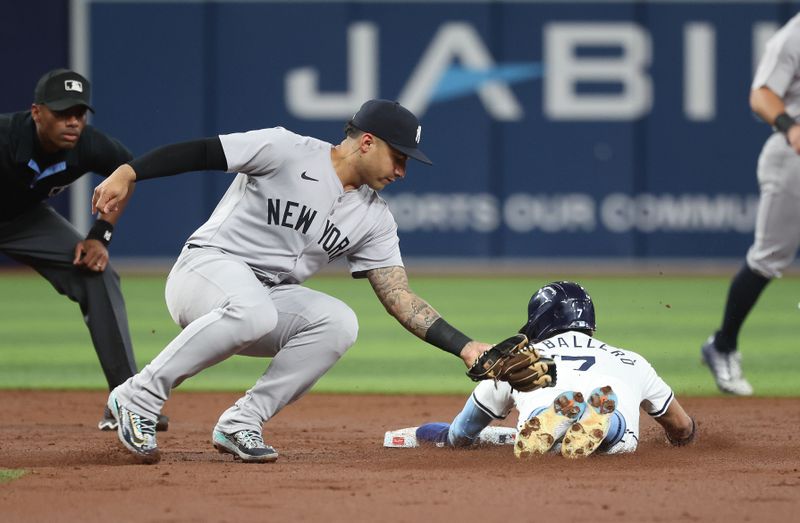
744, 466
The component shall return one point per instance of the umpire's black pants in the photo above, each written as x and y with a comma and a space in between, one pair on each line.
41, 238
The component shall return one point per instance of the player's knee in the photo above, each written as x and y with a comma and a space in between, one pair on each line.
771, 266
84, 285
342, 324
252, 318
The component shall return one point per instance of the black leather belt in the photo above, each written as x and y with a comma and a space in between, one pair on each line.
265, 281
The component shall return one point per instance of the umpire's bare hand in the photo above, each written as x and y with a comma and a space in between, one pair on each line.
92, 255
113, 190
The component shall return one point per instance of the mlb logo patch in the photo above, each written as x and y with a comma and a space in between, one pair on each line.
73, 85
398, 440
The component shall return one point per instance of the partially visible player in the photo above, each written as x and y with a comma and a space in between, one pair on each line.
594, 405
775, 98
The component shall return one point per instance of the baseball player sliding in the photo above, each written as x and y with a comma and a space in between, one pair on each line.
594, 405
296, 204
775, 98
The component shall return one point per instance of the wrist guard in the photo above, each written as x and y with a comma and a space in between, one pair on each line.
101, 231
443, 335
783, 123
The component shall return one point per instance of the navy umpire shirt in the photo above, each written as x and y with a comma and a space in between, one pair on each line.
28, 175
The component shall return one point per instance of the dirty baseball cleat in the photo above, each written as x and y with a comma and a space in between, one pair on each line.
586, 434
540, 432
726, 367
108, 423
136, 432
246, 445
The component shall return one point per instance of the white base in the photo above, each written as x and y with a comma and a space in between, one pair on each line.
407, 438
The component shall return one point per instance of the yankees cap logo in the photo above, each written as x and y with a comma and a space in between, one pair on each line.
303, 176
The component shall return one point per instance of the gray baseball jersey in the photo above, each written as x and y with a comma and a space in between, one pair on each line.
585, 363
778, 68
777, 235
286, 214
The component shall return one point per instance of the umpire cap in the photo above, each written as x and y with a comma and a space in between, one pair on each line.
61, 89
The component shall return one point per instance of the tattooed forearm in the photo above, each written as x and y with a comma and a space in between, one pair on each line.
391, 286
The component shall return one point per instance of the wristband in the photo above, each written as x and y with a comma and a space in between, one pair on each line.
101, 231
443, 335
784, 122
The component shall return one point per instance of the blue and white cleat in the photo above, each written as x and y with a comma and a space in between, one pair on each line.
542, 431
586, 434
246, 445
136, 432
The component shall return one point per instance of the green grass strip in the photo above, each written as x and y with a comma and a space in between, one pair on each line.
7, 475
45, 345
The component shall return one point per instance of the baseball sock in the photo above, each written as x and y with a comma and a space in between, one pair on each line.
616, 429
433, 432
467, 426
744, 291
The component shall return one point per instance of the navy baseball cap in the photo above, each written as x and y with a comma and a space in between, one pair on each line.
61, 89
392, 123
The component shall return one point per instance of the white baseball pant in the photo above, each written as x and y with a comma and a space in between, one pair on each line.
225, 310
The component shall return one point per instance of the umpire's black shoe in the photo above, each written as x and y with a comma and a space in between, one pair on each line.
108, 423
246, 445
162, 424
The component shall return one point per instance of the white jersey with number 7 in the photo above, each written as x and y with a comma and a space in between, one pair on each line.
584, 363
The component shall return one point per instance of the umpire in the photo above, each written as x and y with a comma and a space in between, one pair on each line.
42, 151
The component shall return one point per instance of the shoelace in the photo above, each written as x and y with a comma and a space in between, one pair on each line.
146, 427
250, 439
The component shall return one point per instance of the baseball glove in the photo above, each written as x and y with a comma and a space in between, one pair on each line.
513, 361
